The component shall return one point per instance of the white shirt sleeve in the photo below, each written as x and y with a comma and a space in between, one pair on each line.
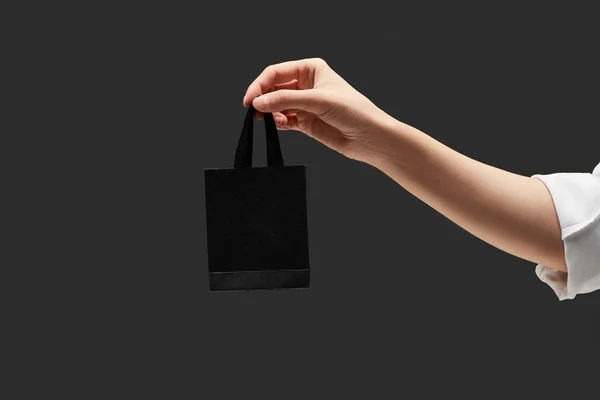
576, 198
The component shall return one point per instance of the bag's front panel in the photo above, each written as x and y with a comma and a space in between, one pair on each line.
256, 220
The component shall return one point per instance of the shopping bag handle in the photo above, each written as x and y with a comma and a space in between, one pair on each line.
243, 153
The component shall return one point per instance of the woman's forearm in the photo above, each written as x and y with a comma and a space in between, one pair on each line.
512, 212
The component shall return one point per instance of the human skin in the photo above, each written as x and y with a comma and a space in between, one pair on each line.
512, 212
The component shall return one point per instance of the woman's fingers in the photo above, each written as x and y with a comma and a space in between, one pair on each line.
276, 115
277, 74
311, 100
292, 85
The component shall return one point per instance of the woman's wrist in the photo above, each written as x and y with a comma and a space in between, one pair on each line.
390, 142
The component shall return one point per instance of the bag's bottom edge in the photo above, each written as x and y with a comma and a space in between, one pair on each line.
260, 280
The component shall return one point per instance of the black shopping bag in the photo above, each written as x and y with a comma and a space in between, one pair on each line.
256, 219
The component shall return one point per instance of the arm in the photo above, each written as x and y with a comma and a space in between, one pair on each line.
512, 212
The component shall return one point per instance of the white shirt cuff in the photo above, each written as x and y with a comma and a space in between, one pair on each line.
576, 198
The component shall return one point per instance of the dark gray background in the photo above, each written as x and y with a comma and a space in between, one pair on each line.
131, 104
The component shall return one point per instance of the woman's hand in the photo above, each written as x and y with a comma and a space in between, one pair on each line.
307, 95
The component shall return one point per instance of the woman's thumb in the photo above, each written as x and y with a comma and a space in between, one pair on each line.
309, 100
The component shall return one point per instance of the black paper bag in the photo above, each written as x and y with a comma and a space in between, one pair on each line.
256, 219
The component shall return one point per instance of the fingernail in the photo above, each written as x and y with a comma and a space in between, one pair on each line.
279, 120
244, 100
260, 102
